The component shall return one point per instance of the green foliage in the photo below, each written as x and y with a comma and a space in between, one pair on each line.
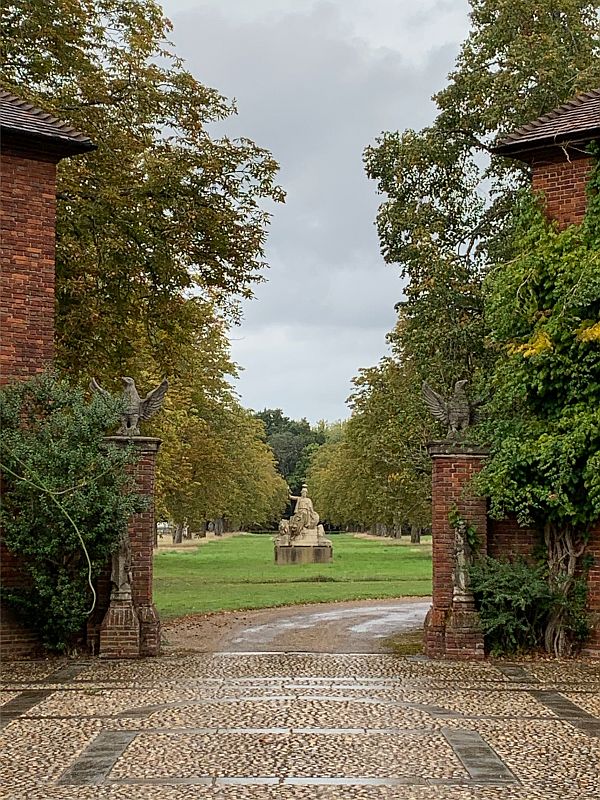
543, 309
214, 458
379, 470
161, 210
293, 442
66, 498
513, 599
516, 602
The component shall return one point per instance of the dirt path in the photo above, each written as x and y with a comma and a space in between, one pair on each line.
351, 627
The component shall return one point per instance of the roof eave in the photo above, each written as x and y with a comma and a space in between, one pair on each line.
526, 150
61, 145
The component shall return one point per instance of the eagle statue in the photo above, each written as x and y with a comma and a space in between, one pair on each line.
456, 412
136, 408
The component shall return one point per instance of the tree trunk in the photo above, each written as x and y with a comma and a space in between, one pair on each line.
415, 534
178, 533
563, 555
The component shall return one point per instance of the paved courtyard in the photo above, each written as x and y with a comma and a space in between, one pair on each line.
299, 725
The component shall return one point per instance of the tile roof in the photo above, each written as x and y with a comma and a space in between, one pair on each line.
578, 120
17, 116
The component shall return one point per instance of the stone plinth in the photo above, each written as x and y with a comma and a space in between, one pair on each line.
120, 631
304, 554
452, 628
118, 623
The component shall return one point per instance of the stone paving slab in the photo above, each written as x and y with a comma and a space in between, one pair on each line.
284, 726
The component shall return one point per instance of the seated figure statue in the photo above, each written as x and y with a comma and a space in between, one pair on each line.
302, 533
304, 515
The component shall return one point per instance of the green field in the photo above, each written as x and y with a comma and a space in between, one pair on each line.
239, 573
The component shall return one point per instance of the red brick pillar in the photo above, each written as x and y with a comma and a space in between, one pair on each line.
131, 628
592, 646
452, 627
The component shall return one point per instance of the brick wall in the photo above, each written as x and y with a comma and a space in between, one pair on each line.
593, 549
563, 183
507, 539
27, 219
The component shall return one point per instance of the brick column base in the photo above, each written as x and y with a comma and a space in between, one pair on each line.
452, 627
463, 635
120, 631
149, 630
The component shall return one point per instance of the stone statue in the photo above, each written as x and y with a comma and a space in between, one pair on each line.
462, 562
136, 409
284, 532
303, 528
304, 515
457, 413
120, 575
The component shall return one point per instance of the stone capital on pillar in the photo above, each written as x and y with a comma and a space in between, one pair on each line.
146, 444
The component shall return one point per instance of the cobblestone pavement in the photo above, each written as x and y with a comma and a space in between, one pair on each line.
299, 725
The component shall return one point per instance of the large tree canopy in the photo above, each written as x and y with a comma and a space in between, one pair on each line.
162, 209
160, 233
448, 206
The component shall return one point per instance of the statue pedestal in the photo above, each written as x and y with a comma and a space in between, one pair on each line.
321, 553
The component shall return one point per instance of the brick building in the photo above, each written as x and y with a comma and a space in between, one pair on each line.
32, 143
556, 146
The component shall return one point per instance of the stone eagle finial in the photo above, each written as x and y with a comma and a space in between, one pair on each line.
456, 412
136, 408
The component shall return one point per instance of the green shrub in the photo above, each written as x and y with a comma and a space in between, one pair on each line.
66, 498
516, 601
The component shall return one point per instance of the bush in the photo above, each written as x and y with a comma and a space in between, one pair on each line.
516, 602
66, 498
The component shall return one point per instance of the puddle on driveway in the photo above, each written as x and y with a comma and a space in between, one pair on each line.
347, 629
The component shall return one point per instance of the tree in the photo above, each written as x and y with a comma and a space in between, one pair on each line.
293, 442
378, 472
448, 209
544, 315
161, 210
160, 232
66, 498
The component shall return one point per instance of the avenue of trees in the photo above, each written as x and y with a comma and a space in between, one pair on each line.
160, 234
493, 293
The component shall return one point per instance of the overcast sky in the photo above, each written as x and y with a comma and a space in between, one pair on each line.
315, 81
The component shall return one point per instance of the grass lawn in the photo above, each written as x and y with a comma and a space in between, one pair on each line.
239, 573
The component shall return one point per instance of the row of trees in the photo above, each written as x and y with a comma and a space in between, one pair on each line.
160, 234
494, 293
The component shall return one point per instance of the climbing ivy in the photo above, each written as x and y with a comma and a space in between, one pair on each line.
66, 497
543, 310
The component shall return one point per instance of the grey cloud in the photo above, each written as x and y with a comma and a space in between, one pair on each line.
315, 92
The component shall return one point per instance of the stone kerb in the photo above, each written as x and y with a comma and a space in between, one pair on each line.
452, 628
131, 627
